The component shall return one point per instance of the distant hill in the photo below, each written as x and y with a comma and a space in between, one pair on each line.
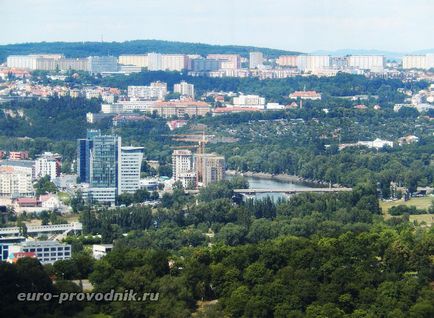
83, 49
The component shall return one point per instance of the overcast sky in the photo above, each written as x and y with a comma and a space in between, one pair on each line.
300, 25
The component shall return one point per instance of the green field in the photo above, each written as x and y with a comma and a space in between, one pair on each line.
421, 203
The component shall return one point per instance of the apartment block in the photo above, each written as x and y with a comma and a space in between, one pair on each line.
184, 89
155, 91
140, 60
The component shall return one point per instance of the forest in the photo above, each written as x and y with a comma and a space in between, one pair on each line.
315, 256
85, 49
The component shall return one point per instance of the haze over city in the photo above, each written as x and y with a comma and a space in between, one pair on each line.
305, 26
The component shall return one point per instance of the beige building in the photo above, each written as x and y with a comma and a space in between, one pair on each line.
140, 60
180, 108
182, 162
287, 60
210, 168
16, 181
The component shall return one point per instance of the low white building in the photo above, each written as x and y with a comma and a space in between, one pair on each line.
253, 101
47, 252
377, 143
274, 106
101, 250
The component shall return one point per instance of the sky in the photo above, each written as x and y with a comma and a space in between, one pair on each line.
299, 25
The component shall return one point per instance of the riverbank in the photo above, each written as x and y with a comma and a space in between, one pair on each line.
281, 177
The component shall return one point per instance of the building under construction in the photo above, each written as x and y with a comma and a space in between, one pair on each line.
198, 169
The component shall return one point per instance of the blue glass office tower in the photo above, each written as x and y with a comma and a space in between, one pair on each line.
84, 147
98, 163
104, 161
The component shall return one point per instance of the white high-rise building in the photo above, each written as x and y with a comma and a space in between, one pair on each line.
182, 162
255, 59
374, 63
315, 63
16, 181
22, 61
174, 62
414, 61
418, 61
131, 161
48, 164
155, 62
155, 91
184, 88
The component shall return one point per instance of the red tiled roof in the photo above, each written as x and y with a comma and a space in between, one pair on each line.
27, 200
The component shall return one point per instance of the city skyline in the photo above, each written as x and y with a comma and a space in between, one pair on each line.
290, 25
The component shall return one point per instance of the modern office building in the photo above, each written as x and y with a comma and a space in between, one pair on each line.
255, 59
107, 167
84, 147
131, 161
155, 91
184, 89
47, 252
48, 164
101, 64
104, 161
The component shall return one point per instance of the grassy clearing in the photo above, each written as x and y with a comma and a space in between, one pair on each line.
422, 203
427, 218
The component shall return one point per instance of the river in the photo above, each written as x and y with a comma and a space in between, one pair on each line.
266, 183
